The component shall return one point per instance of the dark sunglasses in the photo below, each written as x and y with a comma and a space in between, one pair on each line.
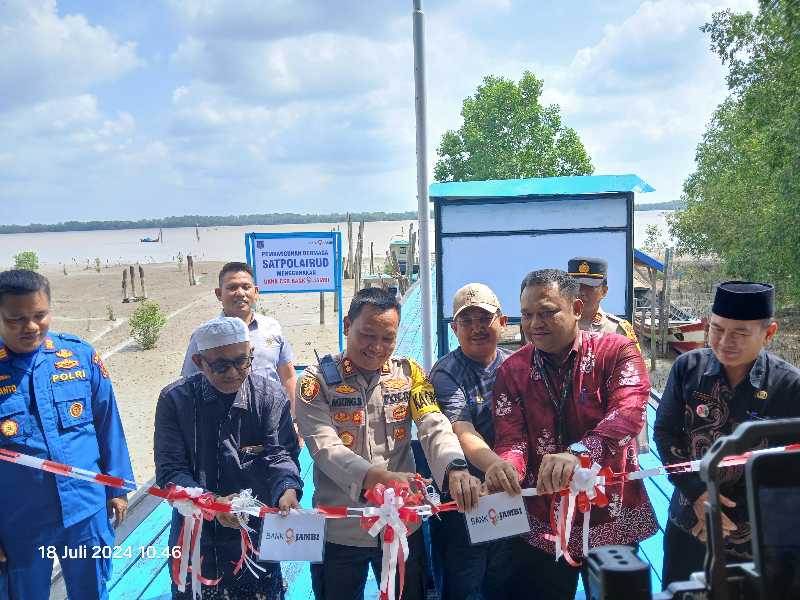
240, 363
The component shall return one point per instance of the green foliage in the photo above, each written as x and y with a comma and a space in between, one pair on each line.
97, 264
508, 134
146, 323
110, 313
654, 240
742, 198
26, 260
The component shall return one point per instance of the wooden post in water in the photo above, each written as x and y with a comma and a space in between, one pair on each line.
359, 258
653, 350
133, 282
141, 282
125, 297
411, 254
372, 258
322, 308
190, 269
665, 300
348, 267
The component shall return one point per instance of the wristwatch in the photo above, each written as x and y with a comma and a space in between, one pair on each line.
577, 449
457, 464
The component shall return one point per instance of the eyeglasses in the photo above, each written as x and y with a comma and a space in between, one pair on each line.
483, 321
240, 363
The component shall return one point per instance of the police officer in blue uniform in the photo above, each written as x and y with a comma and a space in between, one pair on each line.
56, 403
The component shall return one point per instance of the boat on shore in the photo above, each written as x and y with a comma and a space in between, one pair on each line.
685, 331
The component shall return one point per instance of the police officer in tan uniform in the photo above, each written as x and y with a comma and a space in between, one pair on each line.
592, 274
355, 411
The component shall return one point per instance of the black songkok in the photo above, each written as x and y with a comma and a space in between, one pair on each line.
744, 300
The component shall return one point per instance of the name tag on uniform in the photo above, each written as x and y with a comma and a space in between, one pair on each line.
300, 536
497, 516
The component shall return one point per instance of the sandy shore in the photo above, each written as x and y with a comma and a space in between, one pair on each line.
81, 302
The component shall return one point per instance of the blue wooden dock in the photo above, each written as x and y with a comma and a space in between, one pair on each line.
139, 578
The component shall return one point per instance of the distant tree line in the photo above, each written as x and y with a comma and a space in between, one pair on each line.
208, 221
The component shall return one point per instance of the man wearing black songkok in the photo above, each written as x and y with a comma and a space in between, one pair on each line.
708, 393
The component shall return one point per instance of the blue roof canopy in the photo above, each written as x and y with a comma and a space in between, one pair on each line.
540, 186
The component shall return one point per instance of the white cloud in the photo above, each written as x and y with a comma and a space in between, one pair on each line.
46, 56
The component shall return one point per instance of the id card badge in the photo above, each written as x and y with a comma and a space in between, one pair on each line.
497, 516
300, 536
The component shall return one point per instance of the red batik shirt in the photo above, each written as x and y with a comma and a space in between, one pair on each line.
605, 411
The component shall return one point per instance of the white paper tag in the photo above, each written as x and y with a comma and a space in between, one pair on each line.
300, 536
497, 516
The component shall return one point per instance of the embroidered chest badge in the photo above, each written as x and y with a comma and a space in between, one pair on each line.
9, 428
66, 364
64, 353
347, 438
400, 412
76, 409
345, 389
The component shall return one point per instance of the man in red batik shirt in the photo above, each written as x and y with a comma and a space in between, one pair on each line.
565, 394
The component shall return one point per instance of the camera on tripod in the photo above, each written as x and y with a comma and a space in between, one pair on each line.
773, 492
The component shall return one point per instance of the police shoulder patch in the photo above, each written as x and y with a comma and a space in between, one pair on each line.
309, 388
423, 398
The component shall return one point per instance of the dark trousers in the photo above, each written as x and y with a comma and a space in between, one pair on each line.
536, 574
466, 572
684, 554
343, 572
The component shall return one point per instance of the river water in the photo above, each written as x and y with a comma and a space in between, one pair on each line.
216, 243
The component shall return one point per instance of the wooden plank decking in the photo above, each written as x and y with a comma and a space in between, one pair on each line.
148, 579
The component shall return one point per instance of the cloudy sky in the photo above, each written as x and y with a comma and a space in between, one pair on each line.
130, 110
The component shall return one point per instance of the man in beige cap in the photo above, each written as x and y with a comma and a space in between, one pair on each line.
356, 411
463, 381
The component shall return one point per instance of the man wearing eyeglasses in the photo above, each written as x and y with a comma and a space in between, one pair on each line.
224, 430
463, 380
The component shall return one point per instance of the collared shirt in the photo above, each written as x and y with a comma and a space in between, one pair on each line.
604, 410
698, 406
465, 388
365, 422
271, 349
225, 443
58, 404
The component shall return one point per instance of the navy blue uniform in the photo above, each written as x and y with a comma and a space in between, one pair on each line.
697, 407
464, 390
225, 443
57, 403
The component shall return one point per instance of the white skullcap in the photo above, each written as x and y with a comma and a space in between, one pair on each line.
221, 331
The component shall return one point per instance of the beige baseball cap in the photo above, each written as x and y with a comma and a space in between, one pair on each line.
475, 294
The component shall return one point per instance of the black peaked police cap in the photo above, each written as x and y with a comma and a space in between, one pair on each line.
744, 300
588, 270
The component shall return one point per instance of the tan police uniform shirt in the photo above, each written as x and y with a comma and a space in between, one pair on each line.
362, 423
607, 323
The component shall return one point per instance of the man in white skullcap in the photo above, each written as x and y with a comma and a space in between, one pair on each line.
224, 430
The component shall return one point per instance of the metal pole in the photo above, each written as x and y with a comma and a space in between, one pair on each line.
423, 208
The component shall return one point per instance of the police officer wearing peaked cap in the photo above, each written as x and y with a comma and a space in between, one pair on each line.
709, 392
56, 403
592, 274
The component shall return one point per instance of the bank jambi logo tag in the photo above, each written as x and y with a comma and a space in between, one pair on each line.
492, 516
289, 536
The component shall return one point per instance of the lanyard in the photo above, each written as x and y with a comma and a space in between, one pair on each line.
566, 388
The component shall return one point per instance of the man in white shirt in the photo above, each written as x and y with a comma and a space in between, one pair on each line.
273, 356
